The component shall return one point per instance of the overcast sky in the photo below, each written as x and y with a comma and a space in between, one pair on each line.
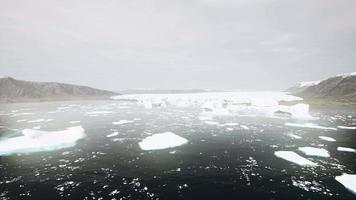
221, 44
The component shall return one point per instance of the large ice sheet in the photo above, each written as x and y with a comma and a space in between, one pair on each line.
348, 181
294, 158
162, 141
36, 141
312, 151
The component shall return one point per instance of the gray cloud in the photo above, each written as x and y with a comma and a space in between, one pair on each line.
221, 44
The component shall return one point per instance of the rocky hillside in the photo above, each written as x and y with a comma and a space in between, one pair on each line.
12, 90
340, 88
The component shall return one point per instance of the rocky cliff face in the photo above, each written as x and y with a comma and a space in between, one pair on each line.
12, 90
340, 88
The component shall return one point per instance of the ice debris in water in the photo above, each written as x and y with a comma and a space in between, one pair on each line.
36, 141
294, 158
346, 149
294, 136
348, 181
309, 125
113, 134
162, 141
347, 127
312, 151
330, 139
121, 122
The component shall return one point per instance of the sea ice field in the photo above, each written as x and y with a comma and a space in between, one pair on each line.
231, 145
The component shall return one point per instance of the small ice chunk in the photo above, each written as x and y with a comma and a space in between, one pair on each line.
312, 151
36, 121
330, 139
104, 112
113, 134
162, 141
309, 125
346, 149
347, 127
295, 136
74, 122
244, 127
122, 122
211, 123
294, 158
348, 181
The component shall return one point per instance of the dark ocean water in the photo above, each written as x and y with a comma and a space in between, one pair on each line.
219, 161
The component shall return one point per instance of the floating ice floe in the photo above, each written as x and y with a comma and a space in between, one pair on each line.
122, 122
346, 149
36, 141
330, 139
244, 127
347, 127
104, 112
162, 141
113, 134
74, 122
312, 151
309, 125
294, 136
294, 158
211, 122
348, 181
36, 121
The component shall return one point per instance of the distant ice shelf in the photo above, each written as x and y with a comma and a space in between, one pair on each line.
162, 141
294, 158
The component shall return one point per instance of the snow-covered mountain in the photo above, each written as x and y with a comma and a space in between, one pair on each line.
340, 88
12, 90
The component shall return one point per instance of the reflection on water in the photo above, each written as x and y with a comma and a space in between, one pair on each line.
229, 154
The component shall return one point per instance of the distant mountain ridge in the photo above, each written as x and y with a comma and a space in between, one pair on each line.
13, 90
340, 88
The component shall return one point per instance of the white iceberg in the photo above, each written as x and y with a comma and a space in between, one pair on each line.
348, 181
346, 149
347, 127
294, 158
121, 122
74, 122
309, 125
162, 141
312, 151
330, 139
36, 141
103, 112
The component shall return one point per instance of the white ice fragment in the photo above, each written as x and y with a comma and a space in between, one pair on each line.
104, 112
294, 158
330, 139
346, 149
35, 140
162, 141
295, 136
244, 127
309, 125
74, 122
113, 134
36, 121
122, 122
312, 151
347, 127
348, 181
211, 122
